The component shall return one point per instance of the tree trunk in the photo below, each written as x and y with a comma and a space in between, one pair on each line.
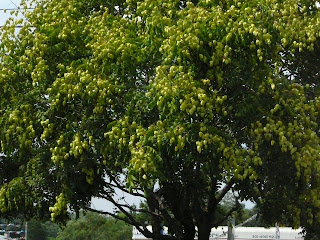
189, 232
204, 231
155, 220
156, 230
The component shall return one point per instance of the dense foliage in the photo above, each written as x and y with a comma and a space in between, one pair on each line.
95, 226
173, 101
39, 230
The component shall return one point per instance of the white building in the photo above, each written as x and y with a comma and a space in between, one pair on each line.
244, 233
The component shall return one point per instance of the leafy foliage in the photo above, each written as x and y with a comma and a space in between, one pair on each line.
36, 231
95, 226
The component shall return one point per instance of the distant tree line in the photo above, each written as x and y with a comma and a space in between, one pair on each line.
86, 227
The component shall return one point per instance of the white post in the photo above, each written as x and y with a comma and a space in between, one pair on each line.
277, 232
26, 231
231, 223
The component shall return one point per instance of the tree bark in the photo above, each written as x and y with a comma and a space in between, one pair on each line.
204, 230
189, 232
155, 221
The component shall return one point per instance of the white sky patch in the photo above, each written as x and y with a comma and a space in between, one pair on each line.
8, 4
104, 205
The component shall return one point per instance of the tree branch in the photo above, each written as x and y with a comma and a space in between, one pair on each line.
163, 208
235, 207
123, 188
140, 226
224, 191
130, 219
129, 207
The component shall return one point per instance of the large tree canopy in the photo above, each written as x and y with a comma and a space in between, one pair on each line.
173, 101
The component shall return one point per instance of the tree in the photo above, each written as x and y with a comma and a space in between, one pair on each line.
42, 230
240, 213
294, 201
95, 226
36, 230
173, 101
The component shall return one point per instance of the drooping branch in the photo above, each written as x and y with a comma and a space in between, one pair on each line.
140, 226
122, 187
110, 214
120, 206
132, 208
130, 219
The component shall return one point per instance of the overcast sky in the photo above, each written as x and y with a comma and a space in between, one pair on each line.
7, 4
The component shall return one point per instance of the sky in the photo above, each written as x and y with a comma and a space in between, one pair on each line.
7, 4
